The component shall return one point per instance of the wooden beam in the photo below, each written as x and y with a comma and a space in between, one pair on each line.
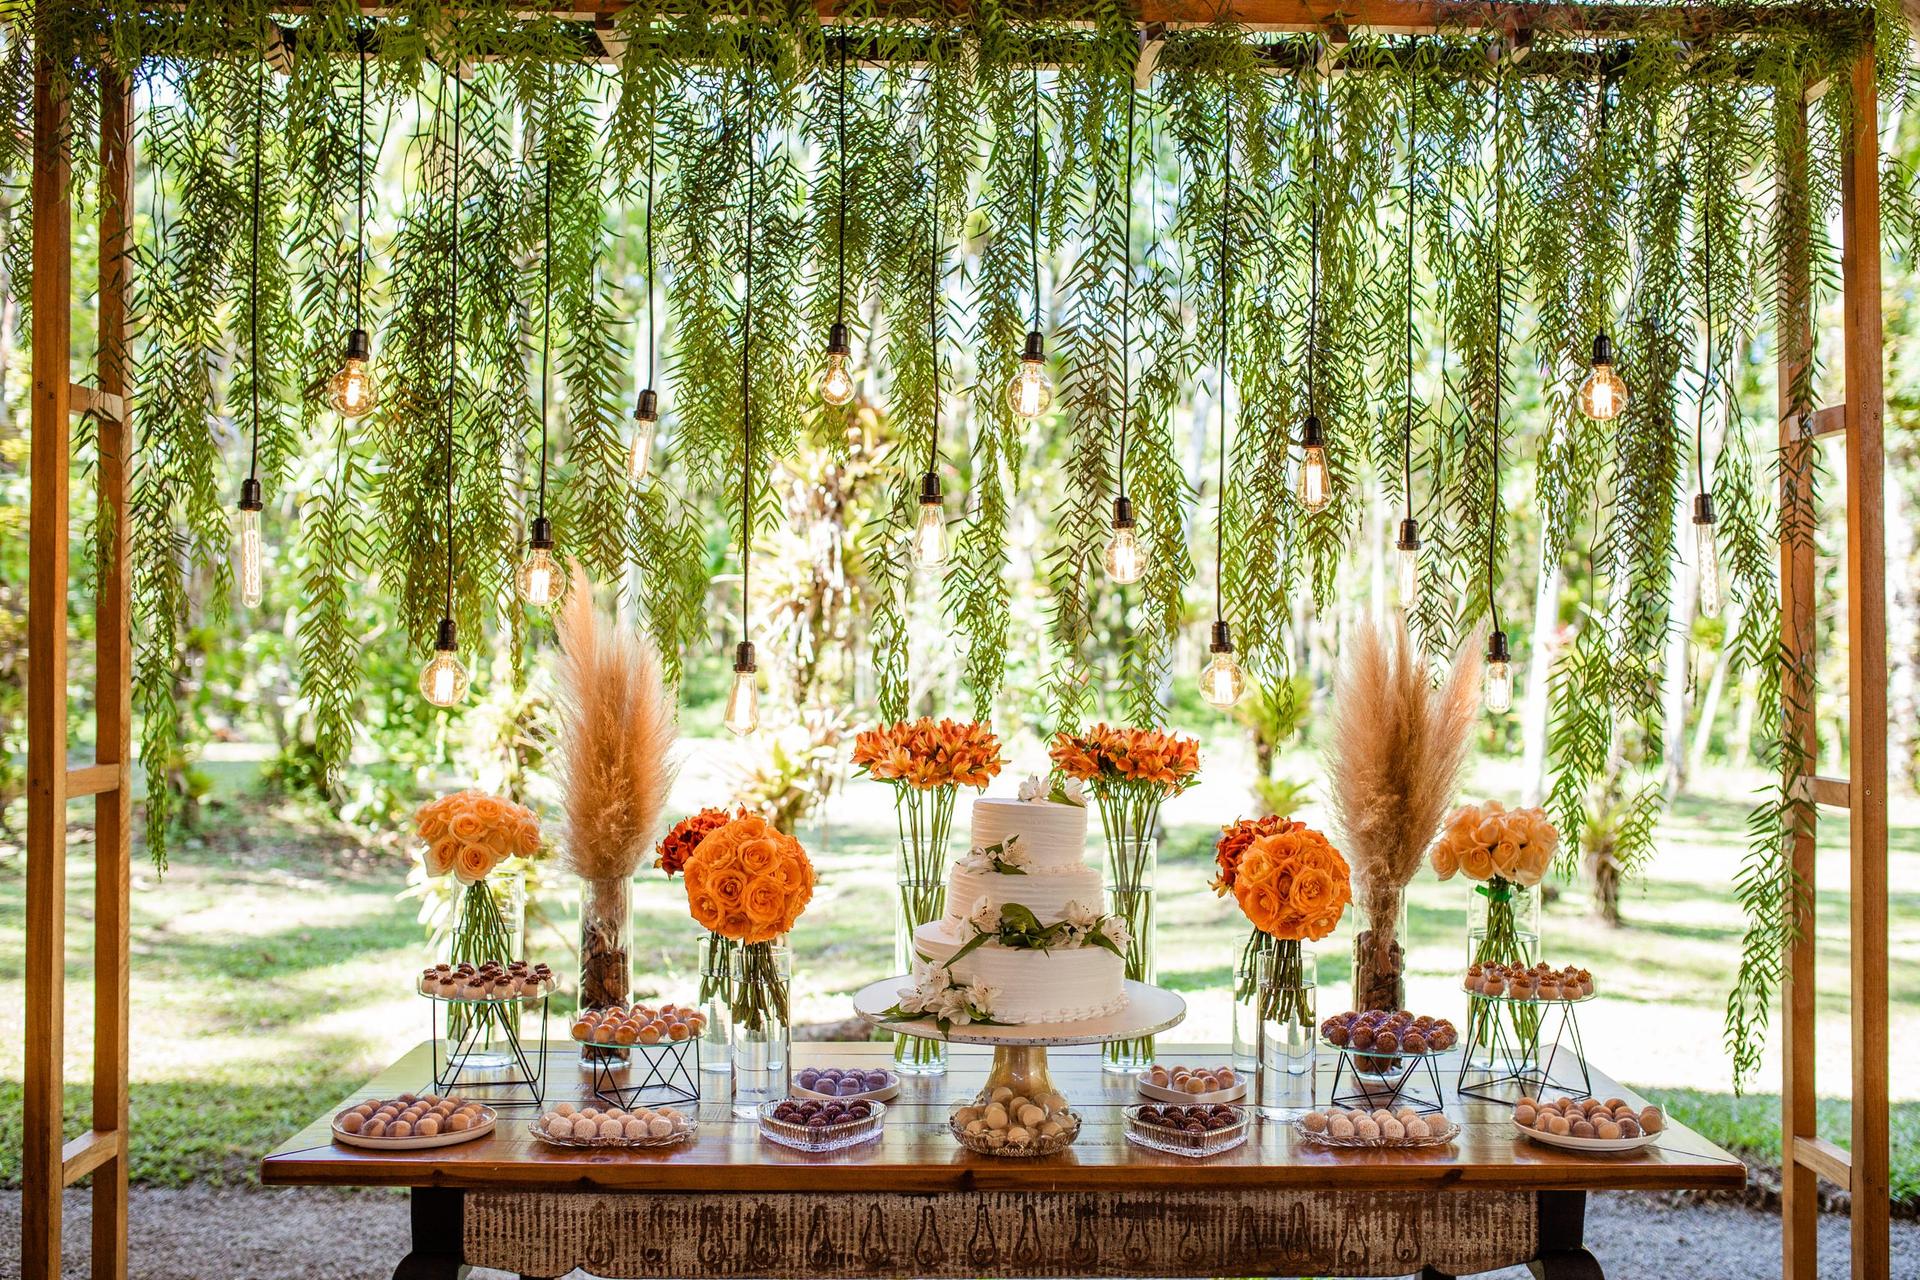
86, 1153
92, 780
1835, 793
1830, 421
47, 582
1866, 667
1825, 1160
113, 691
82, 398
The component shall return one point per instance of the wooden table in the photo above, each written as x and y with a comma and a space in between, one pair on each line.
915, 1203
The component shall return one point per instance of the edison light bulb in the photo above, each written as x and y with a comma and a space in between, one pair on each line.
1707, 555
252, 570
743, 700
930, 532
1124, 560
443, 681
353, 390
646, 422
1221, 681
836, 384
1499, 687
538, 576
1406, 550
1315, 489
1030, 393
1602, 395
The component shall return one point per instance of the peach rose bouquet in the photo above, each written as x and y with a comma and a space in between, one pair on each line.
1293, 886
748, 883
1508, 851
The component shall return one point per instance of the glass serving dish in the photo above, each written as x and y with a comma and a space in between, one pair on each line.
683, 1131
1040, 1145
1505, 998
1147, 1131
821, 1137
1443, 1132
545, 990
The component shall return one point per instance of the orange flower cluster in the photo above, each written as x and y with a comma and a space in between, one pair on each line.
1292, 884
926, 753
671, 854
1106, 754
469, 833
1232, 845
748, 882
1482, 841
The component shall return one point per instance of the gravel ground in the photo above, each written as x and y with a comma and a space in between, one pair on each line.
304, 1234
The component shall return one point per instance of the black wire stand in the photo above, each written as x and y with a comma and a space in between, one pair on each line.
654, 1074
1408, 1080
1514, 1065
463, 1058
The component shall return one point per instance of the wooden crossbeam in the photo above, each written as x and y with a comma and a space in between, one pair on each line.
1826, 1159
82, 398
92, 780
1835, 793
1830, 421
82, 1155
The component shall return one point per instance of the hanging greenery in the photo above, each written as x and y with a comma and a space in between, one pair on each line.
1606, 148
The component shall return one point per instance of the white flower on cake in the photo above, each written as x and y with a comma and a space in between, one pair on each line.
1080, 918
934, 994
1005, 858
985, 917
929, 982
1039, 790
1117, 932
1033, 789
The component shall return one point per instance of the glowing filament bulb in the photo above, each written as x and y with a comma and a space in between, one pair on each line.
1499, 682
1603, 395
251, 566
443, 681
353, 391
1406, 551
1221, 680
1707, 556
1030, 394
646, 422
742, 715
930, 532
538, 575
836, 384
1315, 489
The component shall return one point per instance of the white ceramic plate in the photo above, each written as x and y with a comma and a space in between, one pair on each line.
886, 1093
480, 1130
1167, 1093
1590, 1146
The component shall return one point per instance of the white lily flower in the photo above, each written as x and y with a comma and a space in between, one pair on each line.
1034, 788
985, 917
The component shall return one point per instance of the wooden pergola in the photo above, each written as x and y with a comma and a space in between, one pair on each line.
53, 1161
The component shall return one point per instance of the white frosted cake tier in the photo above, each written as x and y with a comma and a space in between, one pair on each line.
1067, 984
1045, 893
1052, 836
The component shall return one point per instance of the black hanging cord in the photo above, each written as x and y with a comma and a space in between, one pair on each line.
253, 268
546, 310
1220, 495
1706, 371
1413, 172
840, 223
360, 195
746, 362
1033, 204
1126, 297
1313, 292
453, 330
1499, 332
933, 281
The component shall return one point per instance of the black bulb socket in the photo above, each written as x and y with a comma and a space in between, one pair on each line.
251, 497
930, 494
1222, 639
1703, 509
541, 538
1602, 349
838, 343
1497, 648
1311, 436
449, 638
648, 407
1123, 512
743, 657
1409, 539
1036, 346
358, 347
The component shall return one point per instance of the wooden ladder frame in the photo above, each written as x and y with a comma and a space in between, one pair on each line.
50, 1163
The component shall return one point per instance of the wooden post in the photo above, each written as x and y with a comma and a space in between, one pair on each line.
41, 1171
113, 693
1866, 667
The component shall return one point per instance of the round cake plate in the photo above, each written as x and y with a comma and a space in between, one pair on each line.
1149, 1010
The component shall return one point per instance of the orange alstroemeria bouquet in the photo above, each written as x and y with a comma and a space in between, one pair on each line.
748, 883
1293, 886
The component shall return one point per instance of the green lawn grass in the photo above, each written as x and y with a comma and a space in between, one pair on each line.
272, 966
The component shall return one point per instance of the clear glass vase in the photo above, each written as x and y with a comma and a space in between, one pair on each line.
925, 820
714, 999
762, 986
606, 949
1246, 1005
1379, 947
489, 923
922, 901
1503, 927
1131, 865
1285, 1002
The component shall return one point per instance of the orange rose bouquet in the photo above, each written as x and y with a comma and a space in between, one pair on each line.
748, 883
1508, 851
926, 762
671, 856
1293, 886
1231, 846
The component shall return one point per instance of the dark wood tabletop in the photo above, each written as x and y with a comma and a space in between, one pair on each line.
917, 1153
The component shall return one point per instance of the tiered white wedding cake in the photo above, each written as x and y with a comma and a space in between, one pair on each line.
1026, 934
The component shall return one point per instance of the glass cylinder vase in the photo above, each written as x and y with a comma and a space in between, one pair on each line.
1379, 947
1246, 1004
1131, 866
1285, 1001
762, 985
606, 948
922, 901
715, 1000
925, 821
1503, 927
489, 924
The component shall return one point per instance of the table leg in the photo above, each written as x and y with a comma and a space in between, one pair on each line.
1563, 1253
439, 1219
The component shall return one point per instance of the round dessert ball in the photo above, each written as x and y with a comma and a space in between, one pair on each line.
1031, 1115
1557, 1125
806, 1078
876, 1079
1001, 1094
633, 1128
1582, 1128
1386, 1041
1524, 1115
458, 1122
1651, 1120
374, 1128
584, 1127
1629, 1127
1367, 1129
1418, 1128
400, 1129
995, 1116
1608, 1129
610, 1127
1339, 1127
429, 1126
350, 1121
1392, 1130
1314, 1122
1361, 1037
